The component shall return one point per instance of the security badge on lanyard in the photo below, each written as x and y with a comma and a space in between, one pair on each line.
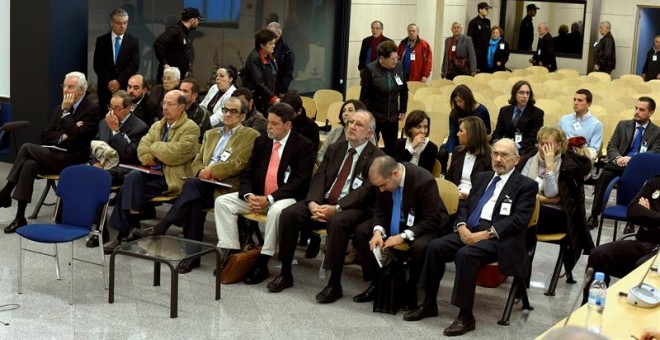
411, 219
287, 173
644, 147
412, 56
357, 182
655, 194
505, 208
225, 155
517, 137
398, 80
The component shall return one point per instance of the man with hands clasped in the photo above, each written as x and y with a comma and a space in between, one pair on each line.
490, 227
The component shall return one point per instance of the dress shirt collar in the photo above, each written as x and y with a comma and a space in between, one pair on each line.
114, 36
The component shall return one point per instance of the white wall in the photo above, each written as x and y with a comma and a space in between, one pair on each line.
4, 48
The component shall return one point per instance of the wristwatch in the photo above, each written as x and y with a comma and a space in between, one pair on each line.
338, 208
404, 236
492, 233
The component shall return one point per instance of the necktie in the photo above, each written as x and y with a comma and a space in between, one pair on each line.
473, 220
333, 197
637, 142
396, 211
516, 117
117, 47
271, 174
167, 131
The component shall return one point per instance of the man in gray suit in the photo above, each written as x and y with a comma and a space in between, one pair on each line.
459, 58
630, 138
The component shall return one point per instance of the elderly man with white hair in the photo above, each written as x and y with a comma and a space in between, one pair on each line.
545, 54
75, 123
171, 80
285, 60
604, 49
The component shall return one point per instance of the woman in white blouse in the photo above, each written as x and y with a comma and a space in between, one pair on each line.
471, 157
219, 93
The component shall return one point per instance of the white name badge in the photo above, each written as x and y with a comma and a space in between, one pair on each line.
411, 219
398, 80
501, 46
644, 147
225, 156
453, 48
577, 126
286, 174
412, 56
518, 137
655, 58
505, 209
357, 182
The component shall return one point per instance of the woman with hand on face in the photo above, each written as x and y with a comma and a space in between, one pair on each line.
470, 157
560, 173
260, 70
219, 93
416, 147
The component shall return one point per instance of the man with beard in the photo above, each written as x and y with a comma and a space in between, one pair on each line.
174, 47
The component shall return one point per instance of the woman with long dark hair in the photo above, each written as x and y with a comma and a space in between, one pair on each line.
416, 147
470, 157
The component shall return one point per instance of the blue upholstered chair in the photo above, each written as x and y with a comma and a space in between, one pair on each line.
640, 168
82, 194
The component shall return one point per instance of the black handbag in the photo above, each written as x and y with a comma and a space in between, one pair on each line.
390, 290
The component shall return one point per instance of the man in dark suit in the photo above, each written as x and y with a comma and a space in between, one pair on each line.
421, 216
75, 123
545, 50
121, 131
629, 138
369, 46
521, 120
336, 201
278, 175
147, 110
490, 227
116, 57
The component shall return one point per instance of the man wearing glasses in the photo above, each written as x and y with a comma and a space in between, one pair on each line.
369, 48
116, 57
224, 155
64, 142
169, 148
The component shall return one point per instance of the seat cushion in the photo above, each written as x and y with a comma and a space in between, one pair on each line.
52, 233
616, 212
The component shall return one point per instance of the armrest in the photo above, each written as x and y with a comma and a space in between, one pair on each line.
13, 126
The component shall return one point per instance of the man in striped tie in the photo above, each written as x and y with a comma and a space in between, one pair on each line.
278, 175
490, 227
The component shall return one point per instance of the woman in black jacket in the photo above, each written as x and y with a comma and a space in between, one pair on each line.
261, 70
471, 157
416, 147
385, 93
498, 51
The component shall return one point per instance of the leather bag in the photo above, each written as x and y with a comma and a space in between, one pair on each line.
239, 265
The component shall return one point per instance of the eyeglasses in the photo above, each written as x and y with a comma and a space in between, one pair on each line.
69, 87
116, 108
524, 93
232, 112
120, 23
164, 103
496, 154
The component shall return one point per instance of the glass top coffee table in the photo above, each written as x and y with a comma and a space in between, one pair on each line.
170, 251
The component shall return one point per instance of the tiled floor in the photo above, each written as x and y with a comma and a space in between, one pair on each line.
141, 311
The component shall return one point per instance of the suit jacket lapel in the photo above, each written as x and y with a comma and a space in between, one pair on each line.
407, 201
287, 154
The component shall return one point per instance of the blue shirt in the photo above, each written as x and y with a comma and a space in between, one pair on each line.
589, 127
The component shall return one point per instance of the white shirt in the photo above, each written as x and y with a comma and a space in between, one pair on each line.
348, 183
487, 211
466, 181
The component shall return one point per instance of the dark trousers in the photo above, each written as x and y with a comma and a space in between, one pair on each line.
340, 226
33, 159
617, 259
388, 131
610, 171
188, 209
370, 268
138, 187
468, 258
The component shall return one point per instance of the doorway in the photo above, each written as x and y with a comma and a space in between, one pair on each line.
648, 26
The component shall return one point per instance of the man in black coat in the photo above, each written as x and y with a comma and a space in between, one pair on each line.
526, 38
605, 49
630, 137
545, 50
421, 216
64, 142
479, 31
173, 47
116, 57
285, 58
651, 69
369, 46
143, 108
491, 227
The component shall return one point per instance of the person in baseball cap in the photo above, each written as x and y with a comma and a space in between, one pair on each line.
532, 7
191, 13
484, 5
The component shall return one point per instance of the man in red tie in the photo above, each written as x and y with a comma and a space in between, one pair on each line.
278, 175
336, 201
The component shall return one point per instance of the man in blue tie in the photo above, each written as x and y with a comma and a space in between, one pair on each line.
408, 210
490, 227
629, 138
116, 57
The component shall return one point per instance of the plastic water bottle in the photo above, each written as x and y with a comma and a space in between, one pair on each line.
596, 303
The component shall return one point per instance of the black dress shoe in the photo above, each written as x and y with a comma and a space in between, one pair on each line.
592, 222
133, 235
158, 229
330, 294
110, 246
314, 247
279, 284
366, 296
420, 313
460, 326
257, 276
187, 265
629, 229
11, 228
93, 242
5, 202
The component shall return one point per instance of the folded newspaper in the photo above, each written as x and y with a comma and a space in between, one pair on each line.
383, 256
